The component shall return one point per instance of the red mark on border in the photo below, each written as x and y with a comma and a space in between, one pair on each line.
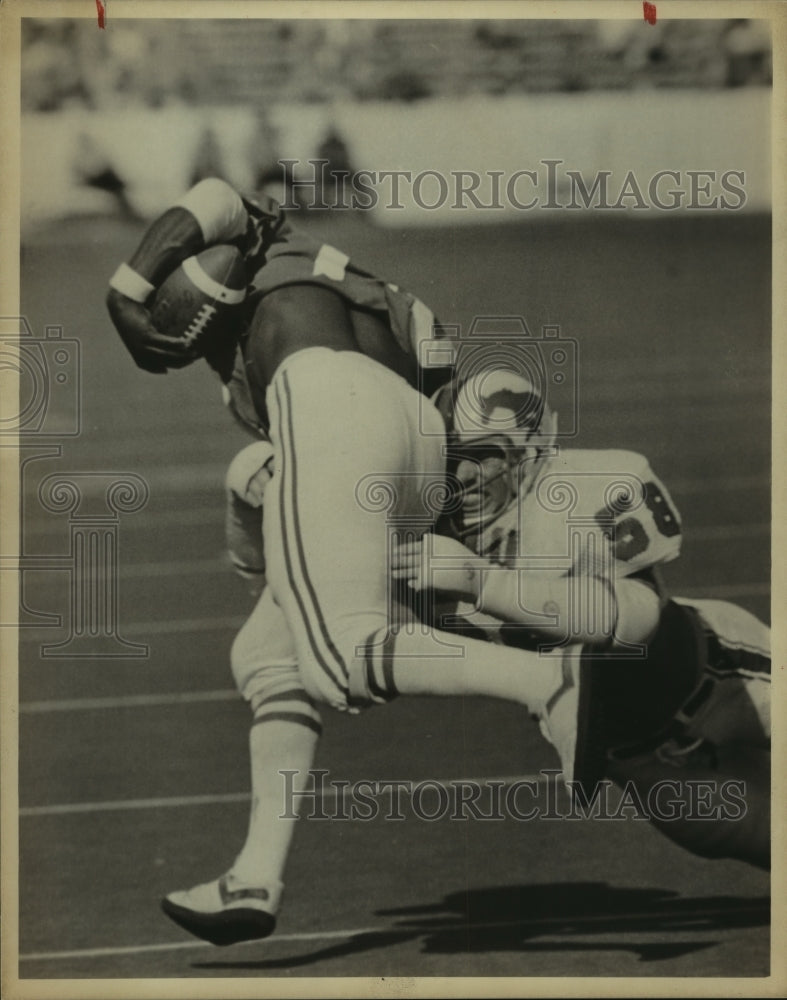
102, 12
648, 11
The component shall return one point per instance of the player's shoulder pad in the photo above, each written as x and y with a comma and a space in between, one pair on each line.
605, 460
615, 463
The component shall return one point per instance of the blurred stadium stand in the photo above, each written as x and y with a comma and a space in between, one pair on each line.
244, 61
140, 111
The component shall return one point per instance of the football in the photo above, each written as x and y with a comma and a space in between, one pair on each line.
200, 301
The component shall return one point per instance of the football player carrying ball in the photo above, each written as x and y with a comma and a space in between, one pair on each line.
326, 366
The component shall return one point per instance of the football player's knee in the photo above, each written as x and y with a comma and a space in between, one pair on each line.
359, 672
371, 670
255, 672
322, 688
322, 676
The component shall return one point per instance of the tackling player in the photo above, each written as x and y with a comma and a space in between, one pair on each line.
325, 368
565, 549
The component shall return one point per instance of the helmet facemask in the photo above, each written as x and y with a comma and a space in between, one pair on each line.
500, 435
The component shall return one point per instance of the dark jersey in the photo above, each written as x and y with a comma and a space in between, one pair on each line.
406, 338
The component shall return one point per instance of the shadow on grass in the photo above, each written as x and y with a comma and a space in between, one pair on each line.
565, 915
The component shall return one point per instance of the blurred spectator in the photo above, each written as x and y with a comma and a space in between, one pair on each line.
51, 77
92, 168
208, 159
264, 154
147, 63
748, 48
338, 172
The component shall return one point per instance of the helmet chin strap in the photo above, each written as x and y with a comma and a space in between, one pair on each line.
483, 519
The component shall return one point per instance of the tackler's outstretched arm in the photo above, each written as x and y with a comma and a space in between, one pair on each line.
576, 607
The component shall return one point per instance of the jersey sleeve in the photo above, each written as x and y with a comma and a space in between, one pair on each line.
641, 521
225, 216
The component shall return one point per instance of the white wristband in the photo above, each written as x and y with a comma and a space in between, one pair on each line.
126, 281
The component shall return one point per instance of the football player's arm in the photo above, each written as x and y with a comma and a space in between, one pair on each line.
247, 477
211, 212
584, 608
542, 602
639, 605
558, 607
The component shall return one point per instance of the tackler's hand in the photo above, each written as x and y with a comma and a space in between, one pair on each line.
250, 472
441, 563
151, 350
247, 478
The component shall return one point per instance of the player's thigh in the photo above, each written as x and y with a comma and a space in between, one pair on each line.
342, 427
